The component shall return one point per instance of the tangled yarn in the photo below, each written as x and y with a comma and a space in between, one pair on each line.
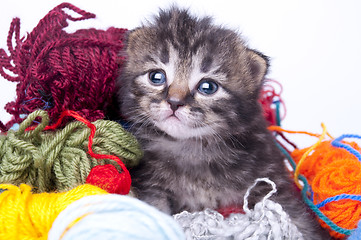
30, 216
332, 169
271, 101
58, 160
266, 221
58, 71
113, 217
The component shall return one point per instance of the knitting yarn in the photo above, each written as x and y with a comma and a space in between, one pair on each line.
267, 220
58, 71
271, 102
58, 160
332, 169
335, 174
113, 217
25, 215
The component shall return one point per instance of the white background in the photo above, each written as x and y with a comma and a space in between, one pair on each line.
314, 46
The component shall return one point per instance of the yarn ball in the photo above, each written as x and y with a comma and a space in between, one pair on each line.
25, 215
267, 220
113, 217
58, 71
108, 178
60, 160
330, 175
333, 171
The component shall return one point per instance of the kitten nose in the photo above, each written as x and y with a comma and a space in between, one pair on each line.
175, 103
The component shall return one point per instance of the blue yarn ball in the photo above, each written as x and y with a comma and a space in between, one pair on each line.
113, 217
356, 234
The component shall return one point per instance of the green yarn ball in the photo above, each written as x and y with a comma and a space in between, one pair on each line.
58, 160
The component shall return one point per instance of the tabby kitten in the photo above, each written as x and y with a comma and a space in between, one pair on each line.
190, 91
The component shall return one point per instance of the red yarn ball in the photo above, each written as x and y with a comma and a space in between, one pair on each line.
58, 71
109, 179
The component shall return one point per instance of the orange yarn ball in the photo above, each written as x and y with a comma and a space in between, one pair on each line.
332, 171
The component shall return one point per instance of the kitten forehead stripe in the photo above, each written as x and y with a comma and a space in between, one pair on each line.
206, 64
164, 55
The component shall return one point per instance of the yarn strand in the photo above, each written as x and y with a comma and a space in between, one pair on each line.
338, 198
337, 143
304, 156
57, 160
246, 195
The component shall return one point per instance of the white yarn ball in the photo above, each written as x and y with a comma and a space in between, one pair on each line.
102, 217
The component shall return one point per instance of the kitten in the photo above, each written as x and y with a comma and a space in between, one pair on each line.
190, 91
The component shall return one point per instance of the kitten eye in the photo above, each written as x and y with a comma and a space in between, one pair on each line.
207, 87
157, 77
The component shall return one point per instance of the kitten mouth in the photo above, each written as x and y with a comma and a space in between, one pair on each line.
179, 128
173, 118
170, 120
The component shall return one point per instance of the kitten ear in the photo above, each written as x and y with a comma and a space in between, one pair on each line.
135, 36
258, 66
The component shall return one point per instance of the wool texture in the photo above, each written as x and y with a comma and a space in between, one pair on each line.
272, 103
58, 160
113, 217
330, 169
267, 220
25, 215
333, 171
58, 71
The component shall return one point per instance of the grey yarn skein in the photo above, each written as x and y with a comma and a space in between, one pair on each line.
266, 221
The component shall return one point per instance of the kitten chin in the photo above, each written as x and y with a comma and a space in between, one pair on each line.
190, 92
175, 128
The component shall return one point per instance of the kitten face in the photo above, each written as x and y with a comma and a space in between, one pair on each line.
189, 79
